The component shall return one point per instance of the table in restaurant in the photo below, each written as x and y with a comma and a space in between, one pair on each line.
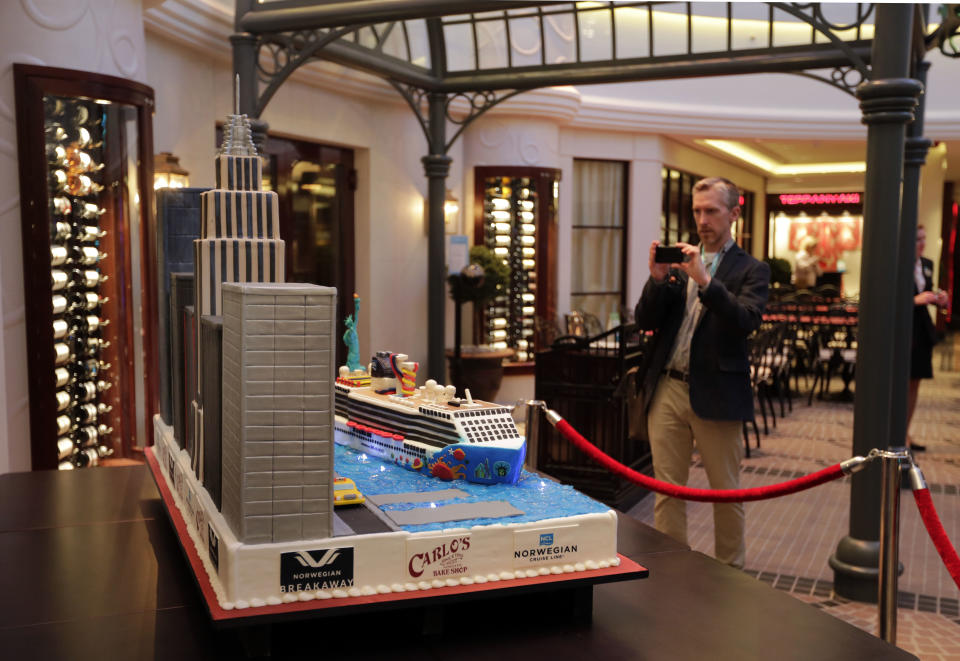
90, 568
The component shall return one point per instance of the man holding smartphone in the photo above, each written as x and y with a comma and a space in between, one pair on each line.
703, 304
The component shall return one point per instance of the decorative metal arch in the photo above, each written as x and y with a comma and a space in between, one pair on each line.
288, 52
288, 35
477, 104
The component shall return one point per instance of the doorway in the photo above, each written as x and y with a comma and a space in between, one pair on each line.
316, 185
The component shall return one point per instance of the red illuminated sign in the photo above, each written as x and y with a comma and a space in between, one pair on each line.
793, 199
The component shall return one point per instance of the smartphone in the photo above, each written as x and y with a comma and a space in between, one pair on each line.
668, 255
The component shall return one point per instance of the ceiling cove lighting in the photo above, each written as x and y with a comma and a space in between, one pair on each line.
758, 160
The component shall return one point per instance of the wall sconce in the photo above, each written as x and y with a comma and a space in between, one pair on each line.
168, 173
451, 213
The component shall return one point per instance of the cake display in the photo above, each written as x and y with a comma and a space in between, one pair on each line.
447, 502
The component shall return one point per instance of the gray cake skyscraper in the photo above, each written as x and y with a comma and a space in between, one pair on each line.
239, 242
261, 438
277, 454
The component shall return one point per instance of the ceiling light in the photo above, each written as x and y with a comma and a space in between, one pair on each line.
758, 160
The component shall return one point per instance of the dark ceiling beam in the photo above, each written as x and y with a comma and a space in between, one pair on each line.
333, 14
438, 47
376, 63
692, 66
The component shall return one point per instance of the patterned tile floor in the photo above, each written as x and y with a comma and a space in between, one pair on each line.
790, 539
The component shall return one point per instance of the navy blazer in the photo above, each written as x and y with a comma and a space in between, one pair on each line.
733, 304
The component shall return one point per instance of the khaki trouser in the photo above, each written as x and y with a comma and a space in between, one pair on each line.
673, 426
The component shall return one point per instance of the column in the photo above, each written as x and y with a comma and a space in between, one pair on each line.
915, 155
436, 166
887, 102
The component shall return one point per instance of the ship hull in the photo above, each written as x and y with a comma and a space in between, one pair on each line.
478, 463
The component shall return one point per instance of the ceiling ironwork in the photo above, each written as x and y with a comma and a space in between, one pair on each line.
500, 48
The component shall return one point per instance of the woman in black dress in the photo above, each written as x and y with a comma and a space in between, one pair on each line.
924, 332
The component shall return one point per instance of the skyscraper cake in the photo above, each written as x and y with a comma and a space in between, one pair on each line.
239, 242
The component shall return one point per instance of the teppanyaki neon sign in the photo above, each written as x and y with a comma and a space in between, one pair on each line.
793, 199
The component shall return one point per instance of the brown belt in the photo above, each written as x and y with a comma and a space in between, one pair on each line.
678, 375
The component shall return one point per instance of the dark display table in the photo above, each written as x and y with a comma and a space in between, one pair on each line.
90, 568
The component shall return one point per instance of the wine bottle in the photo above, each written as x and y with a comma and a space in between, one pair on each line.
62, 205
87, 436
61, 353
90, 233
91, 211
53, 107
88, 300
79, 160
88, 369
85, 391
88, 346
60, 328
61, 376
64, 424
85, 414
56, 155
65, 448
58, 255
81, 185
88, 278
60, 179
59, 304
86, 255
86, 457
91, 323
63, 400
56, 133
61, 230
58, 279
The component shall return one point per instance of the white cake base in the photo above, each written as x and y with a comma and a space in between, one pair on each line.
252, 575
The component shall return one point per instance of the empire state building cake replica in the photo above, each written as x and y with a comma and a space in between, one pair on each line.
253, 475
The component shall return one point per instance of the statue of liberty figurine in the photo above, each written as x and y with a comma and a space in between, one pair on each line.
350, 337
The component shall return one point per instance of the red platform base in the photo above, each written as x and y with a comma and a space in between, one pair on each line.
626, 571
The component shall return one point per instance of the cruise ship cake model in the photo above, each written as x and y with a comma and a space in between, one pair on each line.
265, 425
426, 429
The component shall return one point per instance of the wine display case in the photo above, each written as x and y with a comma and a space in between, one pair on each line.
516, 218
85, 165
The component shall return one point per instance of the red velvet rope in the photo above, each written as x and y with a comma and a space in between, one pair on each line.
702, 495
937, 534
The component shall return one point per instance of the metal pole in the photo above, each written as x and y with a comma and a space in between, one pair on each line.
245, 66
915, 155
889, 543
436, 165
532, 432
887, 102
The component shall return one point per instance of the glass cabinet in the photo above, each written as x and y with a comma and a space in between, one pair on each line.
516, 219
85, 153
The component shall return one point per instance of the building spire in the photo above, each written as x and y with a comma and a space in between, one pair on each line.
237, 136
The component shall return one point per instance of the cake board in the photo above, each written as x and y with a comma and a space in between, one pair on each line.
582, 582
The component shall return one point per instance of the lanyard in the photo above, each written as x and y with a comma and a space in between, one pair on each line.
716, 259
